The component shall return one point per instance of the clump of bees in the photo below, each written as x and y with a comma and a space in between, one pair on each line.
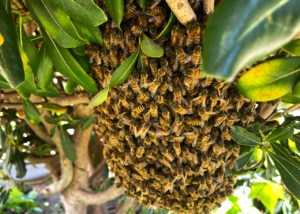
166, 130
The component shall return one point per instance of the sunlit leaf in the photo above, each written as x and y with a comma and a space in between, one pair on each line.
67, 145
144, 3
56, 23
66, 64
167, 29
296, 90
270, 80
70, 87
258, 31
45, 68
54, 108
290, 98
87, 122
83, 10
296, 139
121, 74
99, 98
52, 91
31, 112
280, 134
243, 137
268, 193
243, 159
115, 9
293, 47
1, 39
150, 48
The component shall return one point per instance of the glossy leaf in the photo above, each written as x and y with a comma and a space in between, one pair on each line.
70, 87
99, 98
115, 9
243, 137
11, 67
49, 92
293, 47
29, 49
83, 10
89, 32
140, 63
270, 169
243, 159
296, 139
144, 3
280, 134
31, 112
290, 173
167, 29
54, 108
150, 48
1, 39
290, 98
253, 30
285, 153
80, 50
296, 90
20, 164
270, 80
121, 74
268, 193
257, 128
56, 22
67, 145
87, 122
45, 68
65, 63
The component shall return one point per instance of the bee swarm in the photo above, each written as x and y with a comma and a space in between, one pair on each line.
166, 129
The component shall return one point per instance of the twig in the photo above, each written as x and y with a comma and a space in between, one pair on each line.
100, 197
70, 100
182, 10
97, 173
40, 131
289, 110
35, 181
47, 159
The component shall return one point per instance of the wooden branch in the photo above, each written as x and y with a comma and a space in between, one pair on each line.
38, 160
70, 100
209, 6
97, 175
100, 197
126, 205
182, 10
40, 131
289, 110
34, 181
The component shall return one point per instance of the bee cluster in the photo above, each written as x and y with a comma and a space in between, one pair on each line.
166, 130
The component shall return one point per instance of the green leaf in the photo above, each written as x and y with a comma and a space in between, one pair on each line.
67, 145
115, 9
83, 10
2, 138
79, 51
31, 112
52, 91
56, 22
235, 206
167, 29
89, 32
144, 3
140, 63
4, 195
70, 87
293, 47
290, 98
283, 152
99, 98
45, 68
20, 164
280, 134
54, 108
253, 30
65, 63
296, 90
289, 172
270, 169
87, 122
257, 128
296, 139
243, 137
243, 159
270, 80
150, 48
29, 48
11, 67
267, 193
55, 120
121, 74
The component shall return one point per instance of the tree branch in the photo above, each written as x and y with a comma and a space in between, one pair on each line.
289, 110
182, 10
209, 6
35, 181
126, 205
70, 100
100, 197
47, 159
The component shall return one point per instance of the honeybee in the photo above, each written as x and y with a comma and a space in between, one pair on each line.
106, 41
177, 95
239, 102
223, 104
105, 58
205, 160
226, 134
144, 129
137, 30
201, 99
163, 88
194, 72
120, 41
143, 97
140, 151
95, 55
176, 146
142, 21
195, 121
179, 109
177, 127
153, 30
121, 135
154, 86
196, 57
159, 99
137, 110
214, 99
174, 35
166, 153
146, 116
181, 55
113, 58
137, 177
220, 176
153, 109
161, 132
144, 80
153, 66
166, 113
164, 124
124, 102
134, 84
131, 44
232, 161
130, 11
220, 119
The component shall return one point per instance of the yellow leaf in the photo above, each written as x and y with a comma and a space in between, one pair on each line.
1, 39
